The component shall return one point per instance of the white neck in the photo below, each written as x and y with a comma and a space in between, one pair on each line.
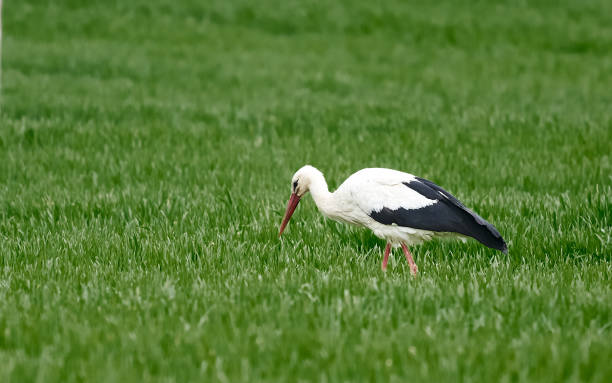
321, 195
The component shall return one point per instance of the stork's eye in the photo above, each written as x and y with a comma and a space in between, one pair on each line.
295, 185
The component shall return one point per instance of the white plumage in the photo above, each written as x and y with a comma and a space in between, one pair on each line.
371, 190
396, 206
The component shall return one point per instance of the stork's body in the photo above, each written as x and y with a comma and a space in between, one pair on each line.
396, 206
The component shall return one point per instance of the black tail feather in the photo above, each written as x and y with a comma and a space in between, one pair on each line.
461, 219
471, 223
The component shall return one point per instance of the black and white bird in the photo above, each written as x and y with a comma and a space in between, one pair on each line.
398, 207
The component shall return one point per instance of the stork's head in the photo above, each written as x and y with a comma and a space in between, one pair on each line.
300, 185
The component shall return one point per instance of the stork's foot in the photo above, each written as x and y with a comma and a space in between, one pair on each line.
413, 267
386, 257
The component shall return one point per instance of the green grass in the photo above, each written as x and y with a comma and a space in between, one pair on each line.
146, 153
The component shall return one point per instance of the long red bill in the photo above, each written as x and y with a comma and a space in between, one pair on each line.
293, 202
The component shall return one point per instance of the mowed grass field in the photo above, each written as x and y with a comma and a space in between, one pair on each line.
146, 154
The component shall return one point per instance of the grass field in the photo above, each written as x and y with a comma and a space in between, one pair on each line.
146, 154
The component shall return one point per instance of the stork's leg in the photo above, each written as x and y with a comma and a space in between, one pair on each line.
386, 257
413, 267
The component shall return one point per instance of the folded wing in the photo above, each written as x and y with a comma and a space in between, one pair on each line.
421, 204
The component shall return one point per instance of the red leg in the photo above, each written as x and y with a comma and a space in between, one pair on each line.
386, 257
413, 267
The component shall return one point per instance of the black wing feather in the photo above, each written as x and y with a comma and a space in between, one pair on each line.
447, 215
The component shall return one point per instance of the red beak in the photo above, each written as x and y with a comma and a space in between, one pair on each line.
293, 202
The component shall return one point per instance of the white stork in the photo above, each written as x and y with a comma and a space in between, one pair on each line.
398, 207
